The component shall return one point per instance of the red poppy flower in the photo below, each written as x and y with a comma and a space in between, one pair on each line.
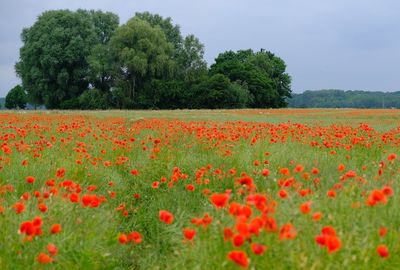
55, 229
317, 216
219, 200
283, 193
30, 179
288, 231
258, 249
60, 173
305, 208
155, 184
382, 251
52, 249
74, 197
188, 233
122, 238
42, 207
382, 231
392, 157
166, 217
265, 172
43, 258
239, 257
328, 239
19, 207
228, 234
135, 237
238, 240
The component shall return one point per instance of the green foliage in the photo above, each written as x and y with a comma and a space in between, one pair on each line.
53, 62
274, 67
171, 32
145, 63
100, 63
191, 59
94, 99
218, 92
100, 66
187, 65
163, 94
262, 73
16, 98
69, 104
140, 53
105, 24
345, 99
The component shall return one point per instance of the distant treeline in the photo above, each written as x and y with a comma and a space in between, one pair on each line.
333, 98
87, 60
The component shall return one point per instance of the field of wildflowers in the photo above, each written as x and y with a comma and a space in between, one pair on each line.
234, 189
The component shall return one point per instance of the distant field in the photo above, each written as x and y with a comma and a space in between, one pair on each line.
206, 189
382, 118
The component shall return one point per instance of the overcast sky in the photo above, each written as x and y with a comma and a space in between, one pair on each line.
341, 44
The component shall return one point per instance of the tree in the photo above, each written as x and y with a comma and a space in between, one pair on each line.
100, 63
105, 24
261, 73
139, 54
169, 94
171, 32
16, 98
217, 92
189, 65
93, 99
275, 67
53, 61
191, 58
83, 59
333, 98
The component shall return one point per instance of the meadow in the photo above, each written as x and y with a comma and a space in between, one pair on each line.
212, 189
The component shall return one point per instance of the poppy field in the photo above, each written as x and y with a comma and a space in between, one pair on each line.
229, 189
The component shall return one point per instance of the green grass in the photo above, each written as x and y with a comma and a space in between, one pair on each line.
190, 141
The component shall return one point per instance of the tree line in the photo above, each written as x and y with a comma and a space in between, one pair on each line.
87, 60
333, 98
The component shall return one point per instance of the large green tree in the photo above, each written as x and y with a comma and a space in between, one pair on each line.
53, 61
188, 51
262, 73
100, 63
172, 32
275, 67
189, 66
139, 54
191, 58
16, 98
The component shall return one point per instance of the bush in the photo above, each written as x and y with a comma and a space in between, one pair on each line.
93, 99
69, 104
217, 92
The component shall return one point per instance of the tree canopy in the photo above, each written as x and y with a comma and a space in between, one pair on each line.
16, 98
53, 62
140, 53
262, 73
333, 98
69, 58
